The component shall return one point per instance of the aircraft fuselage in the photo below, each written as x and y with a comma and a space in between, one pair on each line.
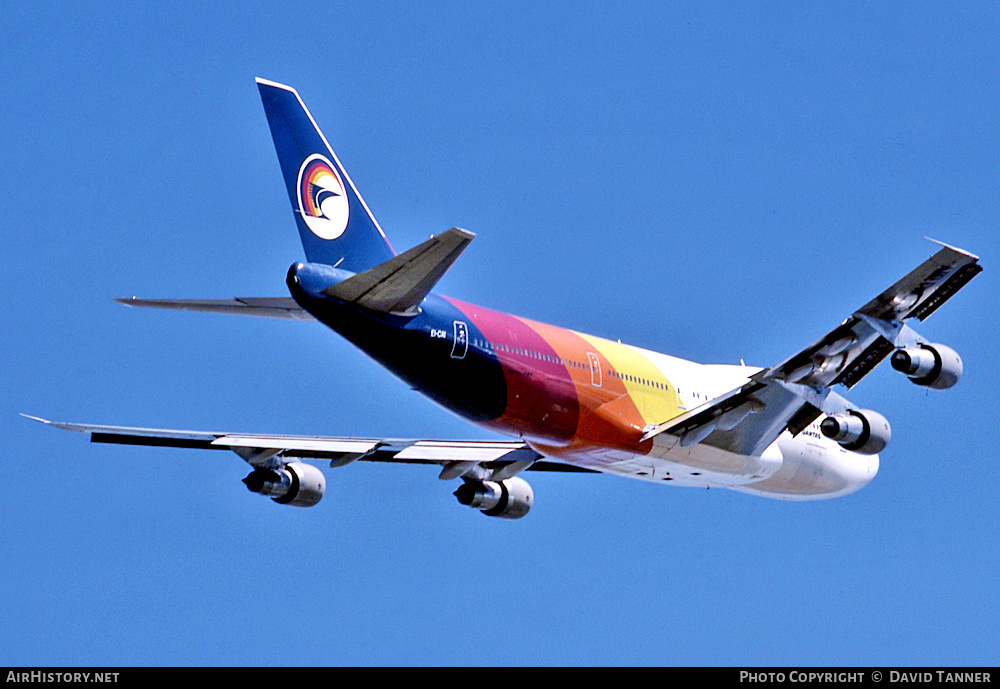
576, 398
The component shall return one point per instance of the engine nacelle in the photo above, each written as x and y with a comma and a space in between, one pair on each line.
296, 484
934, 366
509, 499
863, 431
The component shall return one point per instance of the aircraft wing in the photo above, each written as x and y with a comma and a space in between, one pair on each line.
501, 459
795, 392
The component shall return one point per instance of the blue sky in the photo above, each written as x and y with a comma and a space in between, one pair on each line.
712, 180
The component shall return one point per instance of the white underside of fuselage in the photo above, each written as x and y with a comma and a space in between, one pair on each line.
804, 467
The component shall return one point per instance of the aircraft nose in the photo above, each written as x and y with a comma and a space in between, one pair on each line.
872, 466
860, 472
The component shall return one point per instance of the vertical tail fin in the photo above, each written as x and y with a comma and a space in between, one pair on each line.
334, 222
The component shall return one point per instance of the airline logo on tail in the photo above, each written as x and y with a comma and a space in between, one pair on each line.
322, 198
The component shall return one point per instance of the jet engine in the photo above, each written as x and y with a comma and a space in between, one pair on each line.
509, 499
296, 484
932, 365
863, 431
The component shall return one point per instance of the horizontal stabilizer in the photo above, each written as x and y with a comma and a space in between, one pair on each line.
401, 283
267, 307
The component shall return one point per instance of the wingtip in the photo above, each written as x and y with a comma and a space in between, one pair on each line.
953, 248
56, 424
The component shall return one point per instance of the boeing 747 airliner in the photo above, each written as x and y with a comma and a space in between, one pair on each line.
566, 401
